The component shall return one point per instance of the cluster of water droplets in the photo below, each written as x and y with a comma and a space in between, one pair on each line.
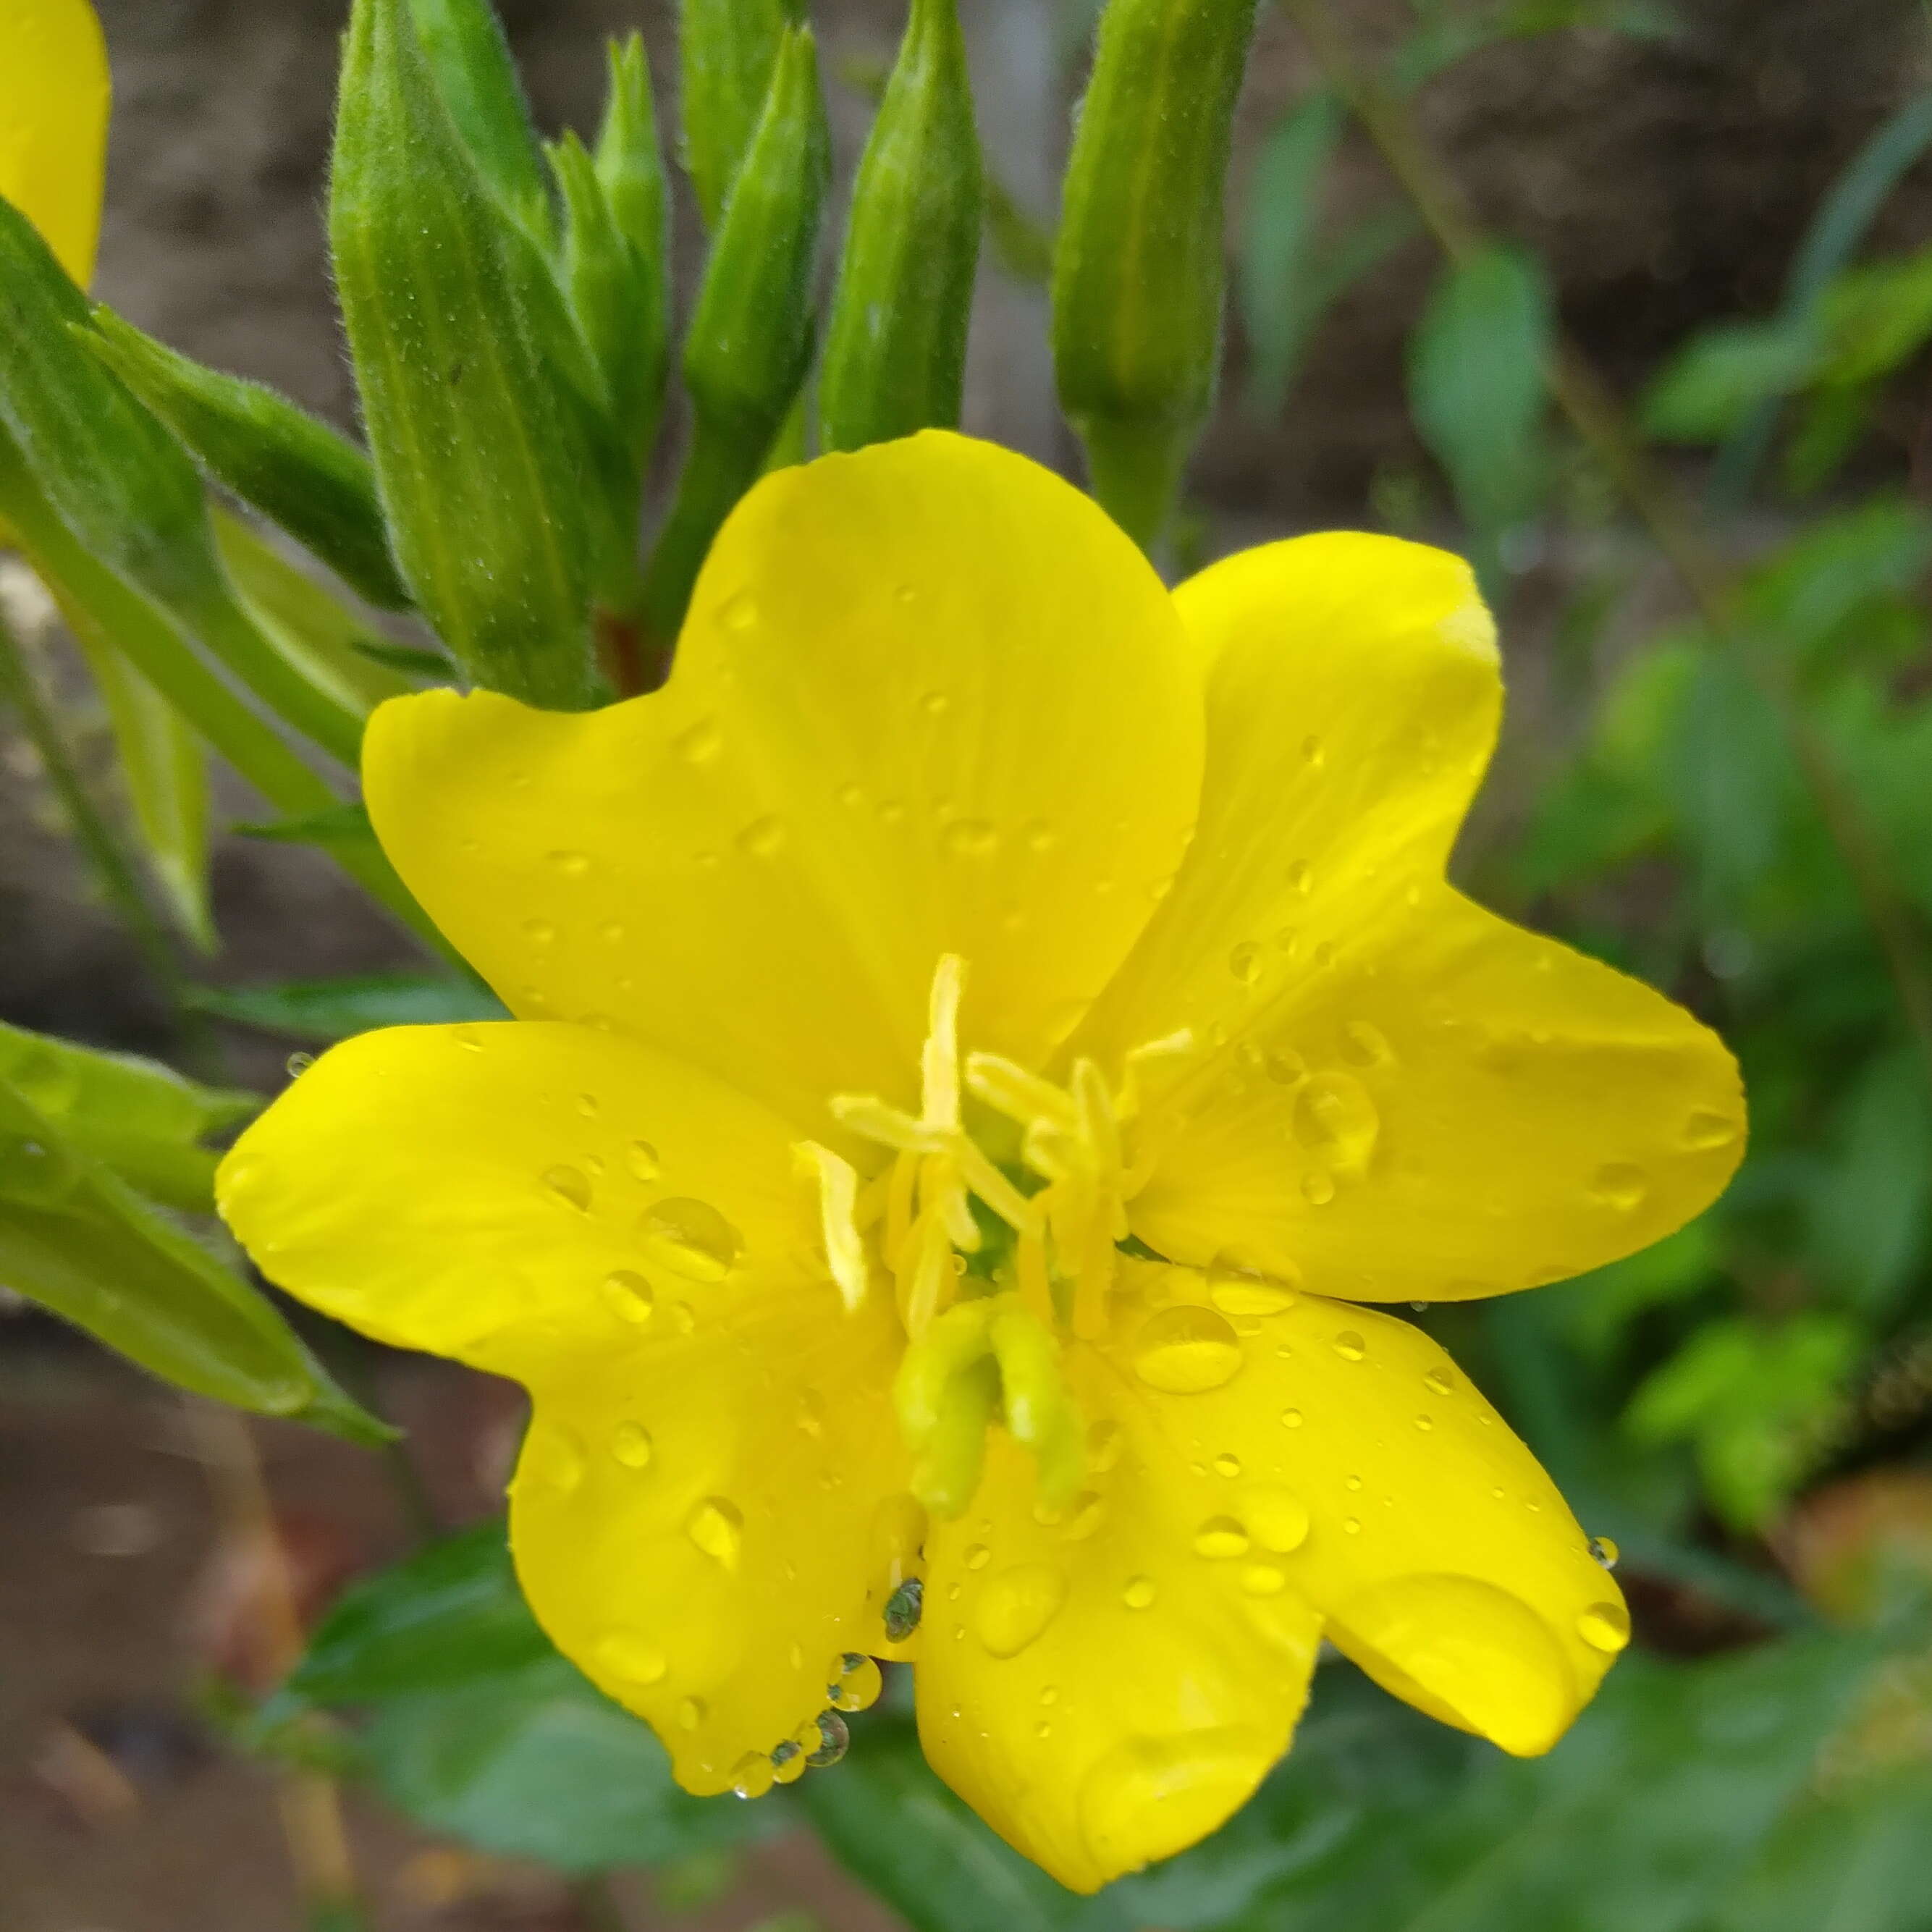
853, 1684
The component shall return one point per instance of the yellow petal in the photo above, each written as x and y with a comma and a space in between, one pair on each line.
54, 98
705, 1525
710, 1503
514, 1194
1452, 1108
1352, 696
1099, 1694
1357, 1461
928, 700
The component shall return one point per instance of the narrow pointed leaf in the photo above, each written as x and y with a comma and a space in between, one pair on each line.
296, 471
727, 50
896, 350
328, 1010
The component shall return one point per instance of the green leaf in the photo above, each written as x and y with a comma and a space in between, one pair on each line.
78, 1240
1479, 388
1279, 243
895, 351
332, 1009
749, 343
476, 1727
728, 49
1139, 272
296, 471
1714, 382
336, 826
475, 384
142, 1119
1871, 1208
464, 45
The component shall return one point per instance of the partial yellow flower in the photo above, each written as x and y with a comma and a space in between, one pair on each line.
979, 1028
54, 99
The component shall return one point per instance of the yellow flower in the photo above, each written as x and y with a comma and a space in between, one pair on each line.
53, 123
979, 1029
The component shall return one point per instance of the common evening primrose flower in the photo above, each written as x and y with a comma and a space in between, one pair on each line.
981, 1031
54, 98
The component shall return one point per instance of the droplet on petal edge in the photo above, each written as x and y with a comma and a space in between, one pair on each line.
1605, 1627
1186, 1350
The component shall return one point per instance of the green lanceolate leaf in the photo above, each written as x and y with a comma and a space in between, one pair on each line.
137, 1117
78, 1240
328, 1010
467, 367
464, 42
296, 471
895, 351
749, 343
475, 1726
1138, 274
1479, 384
340, 823
727, 49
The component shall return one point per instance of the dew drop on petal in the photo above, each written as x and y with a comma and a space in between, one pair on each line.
856, 1683
1439, 1381
539, 931
1705, 1130
1220, 1537
1139, 1594
1245, 962
1291, 1418
833, 1740
978, 1556
641, 1158
763, 838
1425, 1422
1300, 878
1016, 1605
569, 1184
752, 1776
571, 865
1238, 1291
632, 1657
1228, 1464
700, 743
691, 1238
1350, 1346
1605, 1627
1277, 1519
691, 1714
1286, 1068
1604, 1551
1186, 1350
1084, 1515
631, 1444
297, 1064
1620, 1185
788, 1762
739, 612
1104, 1441
1335, 1120
718, 1529
1365, 1045
970, 839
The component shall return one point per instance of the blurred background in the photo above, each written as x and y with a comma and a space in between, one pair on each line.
1709, 542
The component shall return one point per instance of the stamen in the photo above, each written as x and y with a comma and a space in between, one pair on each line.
888, 1125
939, 1060
1127, 1102
1010, 1089
838, 1215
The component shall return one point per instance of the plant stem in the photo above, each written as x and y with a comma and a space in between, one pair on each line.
1674, 526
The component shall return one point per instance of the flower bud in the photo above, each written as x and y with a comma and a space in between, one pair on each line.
896, 354
1138, 276
727, 49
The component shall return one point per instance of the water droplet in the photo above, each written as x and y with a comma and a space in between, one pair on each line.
557, 1457
1277, 1518
1425, 1423
1264, 1579
1245, 962
739, 612
469, 1038
851, 796
700, 743
833, 1740
682, 1320
1439, 1381
1620, 1186
1351, 1482
1604, 1551
1284, 1068
978, 1556
788, 1762
1364, 1045
1705, 1130
970, 839
905, 594
297, 1064
631, 1444
691, 1714
856, 1683
716, 1526
1317, 1187
934, 704
570, 1184
691, 1238
641, 1158
539, 931
1083, 1516
1335, 1120
1038, 836
903, 1608
752, 1776
763, 838
1352, 1524
1605, 1627
1104, 1442
1220, 1537
1186, 1350
635, 1658
1016, 1605
1227, 1465
1139, 1594
1300, 878
571, 865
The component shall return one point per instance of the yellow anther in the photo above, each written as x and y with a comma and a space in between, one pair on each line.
890, 1126
939, 1060
838, 1214
1010, 1089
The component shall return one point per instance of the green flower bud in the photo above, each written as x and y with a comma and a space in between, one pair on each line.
1138, 276
895, 353
478, 392
749, 343
727, 50
296, 471
464, 43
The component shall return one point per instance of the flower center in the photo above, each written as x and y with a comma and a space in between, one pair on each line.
992, 1265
